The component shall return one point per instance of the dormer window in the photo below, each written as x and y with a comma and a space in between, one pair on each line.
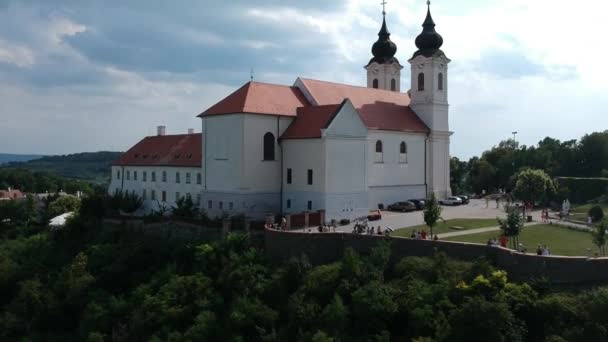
420, 82
440, 81
375, 83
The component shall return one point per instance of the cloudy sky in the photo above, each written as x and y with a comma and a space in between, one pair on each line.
88, 75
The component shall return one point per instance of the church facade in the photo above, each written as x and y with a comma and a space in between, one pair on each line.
316, 145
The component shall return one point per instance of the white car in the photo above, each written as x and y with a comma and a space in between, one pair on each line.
452, 200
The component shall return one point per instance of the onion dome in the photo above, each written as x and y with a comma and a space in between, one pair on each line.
384, 49
429, 41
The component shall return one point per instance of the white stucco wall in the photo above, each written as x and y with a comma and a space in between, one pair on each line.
430, 104
439, 164
170, 186
222, 152
300, 155
393, 180
257, 174
239, 180
384, 73
346, 181
392, 172
346, 178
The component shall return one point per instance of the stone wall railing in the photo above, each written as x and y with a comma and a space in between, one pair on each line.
328, 247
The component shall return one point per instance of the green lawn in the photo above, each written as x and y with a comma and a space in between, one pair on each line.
581, 212
584, 209
560, 240
444, 227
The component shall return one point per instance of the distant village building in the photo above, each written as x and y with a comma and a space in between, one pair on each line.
315, 145
11, 194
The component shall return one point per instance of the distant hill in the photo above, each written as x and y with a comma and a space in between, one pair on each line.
7, 158
90, 166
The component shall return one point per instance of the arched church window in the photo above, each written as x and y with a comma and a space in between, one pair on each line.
393, 84
268, 146
420, 82
379, 152
375, 83
440, 80
403, 153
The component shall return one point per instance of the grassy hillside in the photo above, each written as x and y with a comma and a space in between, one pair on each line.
7, 157
93, 166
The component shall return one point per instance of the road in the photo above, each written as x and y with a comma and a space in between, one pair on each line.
475, 209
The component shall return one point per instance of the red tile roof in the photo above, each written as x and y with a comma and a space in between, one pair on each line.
379, 109
165, 150
310, 121
11, 194
260, 98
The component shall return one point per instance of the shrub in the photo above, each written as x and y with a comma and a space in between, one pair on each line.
64, 204
596, 213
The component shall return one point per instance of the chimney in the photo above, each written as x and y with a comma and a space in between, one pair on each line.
190, 130
160, 130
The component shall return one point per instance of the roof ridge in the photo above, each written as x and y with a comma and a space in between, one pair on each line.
353, 86
171, 135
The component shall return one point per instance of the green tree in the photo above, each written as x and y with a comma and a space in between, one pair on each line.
432, 212
131, 202
533, 185
185, 207
458, 174
512, 226
599, 236
63, 205
596, 213
482, 175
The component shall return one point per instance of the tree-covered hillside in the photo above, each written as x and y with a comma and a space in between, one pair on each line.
93, 166
87, 282
498, 167
8, 158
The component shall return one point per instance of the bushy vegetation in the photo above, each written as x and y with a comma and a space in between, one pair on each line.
495, 169
596, 213
88, 282
41, 182
93, 167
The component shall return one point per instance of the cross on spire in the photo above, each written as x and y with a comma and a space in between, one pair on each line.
383, 3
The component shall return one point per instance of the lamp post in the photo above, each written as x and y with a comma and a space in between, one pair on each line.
514, 133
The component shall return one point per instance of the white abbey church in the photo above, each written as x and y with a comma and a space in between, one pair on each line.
311, 146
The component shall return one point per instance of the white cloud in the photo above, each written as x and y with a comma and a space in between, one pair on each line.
564, 101
14, 54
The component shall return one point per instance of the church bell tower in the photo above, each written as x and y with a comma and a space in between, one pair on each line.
384, 70
429, 100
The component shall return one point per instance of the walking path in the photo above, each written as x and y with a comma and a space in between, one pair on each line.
478, 230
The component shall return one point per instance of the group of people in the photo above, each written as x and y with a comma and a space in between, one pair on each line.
544, 216
326, 228
502, 241
543, 250
422, 235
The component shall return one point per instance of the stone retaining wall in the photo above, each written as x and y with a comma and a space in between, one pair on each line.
328, 247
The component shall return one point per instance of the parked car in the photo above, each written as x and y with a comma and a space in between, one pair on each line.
374, 215
452, 200
419, 203
402, 206
464, 198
